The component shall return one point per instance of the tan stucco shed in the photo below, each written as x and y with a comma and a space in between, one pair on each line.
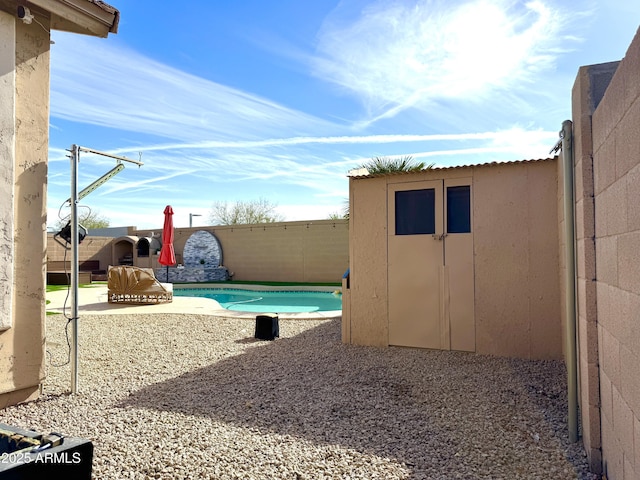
462, 258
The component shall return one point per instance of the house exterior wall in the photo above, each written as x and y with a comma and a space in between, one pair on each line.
610, 335
7, 154
22, 345
517, 304
24, 139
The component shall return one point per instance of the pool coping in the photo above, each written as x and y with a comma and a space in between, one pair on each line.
253, 286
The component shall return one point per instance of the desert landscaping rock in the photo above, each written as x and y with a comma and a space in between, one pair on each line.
174, 396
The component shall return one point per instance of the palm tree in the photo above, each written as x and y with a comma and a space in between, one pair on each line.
382, 165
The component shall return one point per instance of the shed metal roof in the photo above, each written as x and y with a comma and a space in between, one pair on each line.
456, 167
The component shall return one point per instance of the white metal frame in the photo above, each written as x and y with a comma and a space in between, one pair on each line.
73, 201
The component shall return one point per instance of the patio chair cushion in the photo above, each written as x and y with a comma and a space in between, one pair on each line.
136, 285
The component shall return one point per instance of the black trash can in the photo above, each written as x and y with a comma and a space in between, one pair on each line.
267, 327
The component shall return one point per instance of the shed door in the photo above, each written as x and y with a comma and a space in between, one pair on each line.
430, 265
415, 256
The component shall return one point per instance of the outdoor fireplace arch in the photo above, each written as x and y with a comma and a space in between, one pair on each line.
146, 246
122, 250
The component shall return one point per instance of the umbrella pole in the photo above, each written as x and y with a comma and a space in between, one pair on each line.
167, 274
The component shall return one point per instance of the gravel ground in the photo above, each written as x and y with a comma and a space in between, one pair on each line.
194, 396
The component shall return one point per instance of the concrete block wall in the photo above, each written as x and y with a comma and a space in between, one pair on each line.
606, 110
616, 166
91, 248
302, 251
589, 87
313, 251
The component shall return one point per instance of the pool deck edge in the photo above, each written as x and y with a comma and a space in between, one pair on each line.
93, 300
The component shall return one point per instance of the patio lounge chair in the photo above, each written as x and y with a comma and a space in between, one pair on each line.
127, 284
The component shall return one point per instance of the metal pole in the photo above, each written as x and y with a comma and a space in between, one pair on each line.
110, 155
570, 280
75, 159
73, 201
191, 215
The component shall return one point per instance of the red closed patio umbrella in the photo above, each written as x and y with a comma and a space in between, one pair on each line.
167, 255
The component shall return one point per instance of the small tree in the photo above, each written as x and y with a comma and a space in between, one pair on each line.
344, 214
90, 219
244, 212
381, 165
336, 216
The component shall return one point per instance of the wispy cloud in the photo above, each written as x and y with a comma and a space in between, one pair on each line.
118, 88
202, 141
314, 162
395, 55
308, 162
338, 140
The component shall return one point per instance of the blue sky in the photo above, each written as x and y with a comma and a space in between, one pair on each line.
279, 99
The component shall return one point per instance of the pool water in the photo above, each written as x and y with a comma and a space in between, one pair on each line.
267, 301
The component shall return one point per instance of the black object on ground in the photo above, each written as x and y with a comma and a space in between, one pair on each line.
267, 327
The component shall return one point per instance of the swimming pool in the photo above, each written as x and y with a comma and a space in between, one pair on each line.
261, 301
